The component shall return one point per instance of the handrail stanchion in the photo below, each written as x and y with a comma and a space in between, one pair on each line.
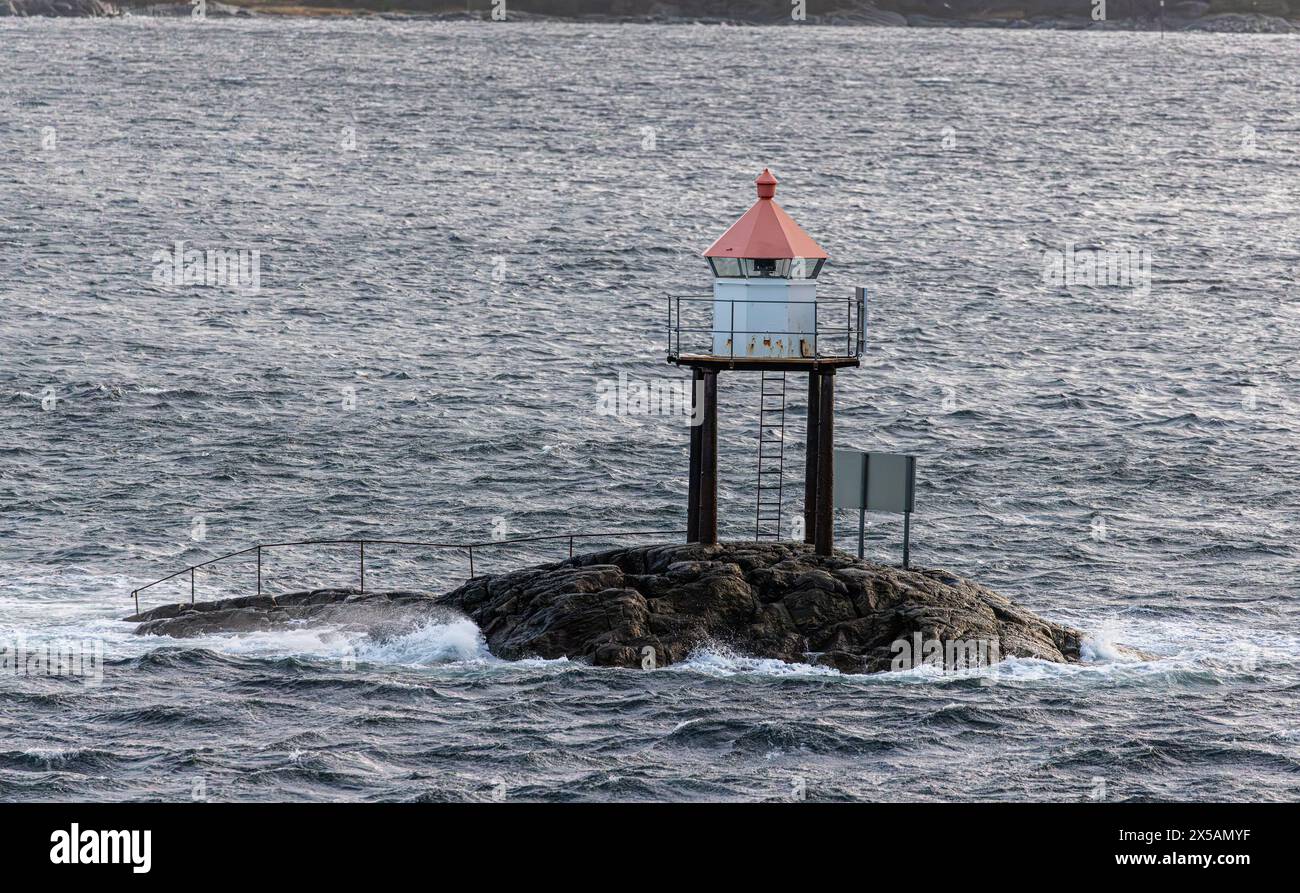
848, 326
815, 353
862, 322
136, 596
733, 330
363, 566
191, 585
471, 562
259, 570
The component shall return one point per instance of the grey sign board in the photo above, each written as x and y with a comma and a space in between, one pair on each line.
875, 482
849, 468
889, 480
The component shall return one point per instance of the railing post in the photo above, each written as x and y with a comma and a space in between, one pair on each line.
363, 567
191, 585
471, 562
570, 547
259, 570
733, 330
136, 595
861, 295
679, 326
848, 327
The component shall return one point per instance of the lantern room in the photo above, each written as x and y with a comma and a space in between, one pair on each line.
765, 271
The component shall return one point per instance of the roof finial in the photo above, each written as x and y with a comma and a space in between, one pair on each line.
766, 184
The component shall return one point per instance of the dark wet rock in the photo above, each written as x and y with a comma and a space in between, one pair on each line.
1238, 23
376, 613
1190, 9
861, 14
615, 608
184, 9
764, 600
59, 8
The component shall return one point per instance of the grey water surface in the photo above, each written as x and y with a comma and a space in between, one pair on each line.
465, 230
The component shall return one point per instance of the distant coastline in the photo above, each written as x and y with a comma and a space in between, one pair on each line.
1222, 16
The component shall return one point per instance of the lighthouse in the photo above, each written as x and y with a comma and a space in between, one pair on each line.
764, 315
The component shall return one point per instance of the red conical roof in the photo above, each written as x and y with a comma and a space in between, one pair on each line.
765, 231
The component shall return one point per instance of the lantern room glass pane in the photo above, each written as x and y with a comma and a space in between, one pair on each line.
725, 267
765, 268
806, 267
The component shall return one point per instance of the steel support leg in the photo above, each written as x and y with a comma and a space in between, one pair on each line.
825, 532
810, 460
708, 531
697, 445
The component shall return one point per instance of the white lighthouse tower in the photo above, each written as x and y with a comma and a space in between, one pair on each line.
765, 283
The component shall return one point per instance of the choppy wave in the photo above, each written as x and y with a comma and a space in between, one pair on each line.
452, 264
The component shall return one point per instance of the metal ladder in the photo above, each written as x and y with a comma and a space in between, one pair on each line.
771, 455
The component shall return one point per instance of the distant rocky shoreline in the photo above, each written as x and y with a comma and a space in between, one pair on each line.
1220, 16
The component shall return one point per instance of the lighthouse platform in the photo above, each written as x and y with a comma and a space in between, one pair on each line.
696, 331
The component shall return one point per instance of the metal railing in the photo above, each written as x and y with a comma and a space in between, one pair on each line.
362, 543
826, 334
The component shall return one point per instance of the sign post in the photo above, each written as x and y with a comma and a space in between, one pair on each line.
877, 482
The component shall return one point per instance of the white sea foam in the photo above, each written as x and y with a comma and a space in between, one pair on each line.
434, 642
717, 660
1100, 649
456, 640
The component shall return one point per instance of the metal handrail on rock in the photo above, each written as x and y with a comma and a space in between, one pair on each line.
362, 543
